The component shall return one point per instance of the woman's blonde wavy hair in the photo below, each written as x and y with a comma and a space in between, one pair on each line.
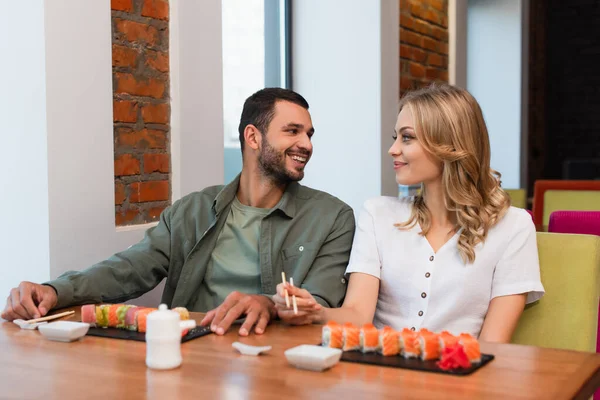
449, 124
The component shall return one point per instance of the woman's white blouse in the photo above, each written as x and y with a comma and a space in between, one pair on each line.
438, 291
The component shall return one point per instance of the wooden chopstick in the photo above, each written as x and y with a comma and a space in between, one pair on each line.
287, 296
50, 317
294, 298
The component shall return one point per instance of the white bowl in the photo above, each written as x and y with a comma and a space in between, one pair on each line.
64, 331
313, 358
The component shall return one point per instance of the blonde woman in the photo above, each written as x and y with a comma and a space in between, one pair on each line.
457, 257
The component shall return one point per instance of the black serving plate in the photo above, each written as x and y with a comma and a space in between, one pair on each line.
115, 333
410, 363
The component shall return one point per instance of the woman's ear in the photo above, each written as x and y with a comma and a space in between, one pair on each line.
252, 137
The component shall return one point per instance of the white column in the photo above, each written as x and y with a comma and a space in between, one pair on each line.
345, 63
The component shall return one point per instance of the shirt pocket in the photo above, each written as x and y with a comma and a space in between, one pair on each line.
298, 259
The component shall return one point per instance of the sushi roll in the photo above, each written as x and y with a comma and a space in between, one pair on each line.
351, 337
389, 342
121, 314
471, 346
429, 343
131, 318
141, 317
113, 317
369, 338
409, 344
447, 340
88, 314
102, 315
184, 314
332, 335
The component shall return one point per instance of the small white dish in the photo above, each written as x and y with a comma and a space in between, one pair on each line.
28, 325
248, 350
64, 331
313, 358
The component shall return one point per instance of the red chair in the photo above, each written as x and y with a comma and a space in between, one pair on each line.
582, 222
541, 186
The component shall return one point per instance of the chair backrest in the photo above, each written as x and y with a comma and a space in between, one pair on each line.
518, 197
582, 222
566, 317
541, 186
569, 200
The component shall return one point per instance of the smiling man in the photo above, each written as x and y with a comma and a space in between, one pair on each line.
222, 250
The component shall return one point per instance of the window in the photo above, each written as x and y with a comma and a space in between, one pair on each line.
255, 55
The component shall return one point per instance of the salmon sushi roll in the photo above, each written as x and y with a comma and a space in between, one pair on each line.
447, 340
409, 343
183, 312
142, 315
332, 335
471, 346
88, 314
113, 318
351, 337
389, 342
131, 318
429, 343
102, 315
369, 338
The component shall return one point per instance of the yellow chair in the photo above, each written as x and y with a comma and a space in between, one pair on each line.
518, 197
569, 200
566, 317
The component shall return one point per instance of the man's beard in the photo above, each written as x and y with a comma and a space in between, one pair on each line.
272, 165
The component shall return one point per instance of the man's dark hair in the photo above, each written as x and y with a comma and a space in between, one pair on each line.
259, 109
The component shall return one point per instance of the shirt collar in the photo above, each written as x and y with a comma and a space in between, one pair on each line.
287, 204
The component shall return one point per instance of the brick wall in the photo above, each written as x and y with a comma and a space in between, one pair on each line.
141, 109
423, 43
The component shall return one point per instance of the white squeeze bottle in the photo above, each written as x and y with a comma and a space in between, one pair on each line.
163, 338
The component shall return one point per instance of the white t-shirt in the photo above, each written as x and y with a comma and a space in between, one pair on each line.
438, 291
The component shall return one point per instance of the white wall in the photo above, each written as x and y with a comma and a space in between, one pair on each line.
60, 143
345, 63
24, 194
494, 63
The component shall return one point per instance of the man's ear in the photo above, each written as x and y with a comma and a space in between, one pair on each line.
252, 137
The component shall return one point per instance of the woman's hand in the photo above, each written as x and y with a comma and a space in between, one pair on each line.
309, 310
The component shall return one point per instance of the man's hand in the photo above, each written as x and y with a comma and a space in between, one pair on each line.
28, 301
258, 310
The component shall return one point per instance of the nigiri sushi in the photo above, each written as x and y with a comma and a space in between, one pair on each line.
409, 343
351, 337
389, 342
471, 346
332, 335
429, 343
369, 338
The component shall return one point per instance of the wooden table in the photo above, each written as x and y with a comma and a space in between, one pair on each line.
32, 367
